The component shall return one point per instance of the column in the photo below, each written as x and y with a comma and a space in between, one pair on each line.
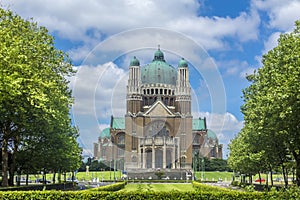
153, 157
173, 157
144, 156
164, 154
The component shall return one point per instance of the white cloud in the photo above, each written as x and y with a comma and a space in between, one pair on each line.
90, 21
98, 89
271, 42
282, 14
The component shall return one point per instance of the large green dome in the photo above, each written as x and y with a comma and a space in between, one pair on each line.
158, 71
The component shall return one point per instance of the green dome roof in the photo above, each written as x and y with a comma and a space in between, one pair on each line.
105, 133
211, 135
134, 62
158, 71
182, 63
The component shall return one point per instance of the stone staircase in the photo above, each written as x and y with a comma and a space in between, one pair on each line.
167, 174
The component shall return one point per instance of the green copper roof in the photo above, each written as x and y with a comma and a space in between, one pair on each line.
134, 62
198, 124
158, 71
118, 123
158, 55
105, 133
211, 135
182, 63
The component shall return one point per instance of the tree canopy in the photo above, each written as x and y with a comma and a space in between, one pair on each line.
34, 97
272, 110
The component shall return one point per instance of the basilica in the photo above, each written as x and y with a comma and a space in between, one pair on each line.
158, 130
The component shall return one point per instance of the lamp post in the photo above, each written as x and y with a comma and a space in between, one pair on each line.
110, 169
203, 168
114, 170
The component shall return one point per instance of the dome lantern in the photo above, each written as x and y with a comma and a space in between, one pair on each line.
159, 55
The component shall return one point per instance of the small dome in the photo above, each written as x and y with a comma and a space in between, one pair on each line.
182, 63
159, 55
105, 133
134, 62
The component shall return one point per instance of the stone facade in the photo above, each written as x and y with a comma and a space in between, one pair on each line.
158, 130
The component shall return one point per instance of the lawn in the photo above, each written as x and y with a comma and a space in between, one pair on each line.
166, 187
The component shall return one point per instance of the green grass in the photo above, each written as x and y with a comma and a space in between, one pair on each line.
158, 187
106, 175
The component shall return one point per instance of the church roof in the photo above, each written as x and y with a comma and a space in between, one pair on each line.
199, 124
159, 71
105, 133
118, 123
211, 135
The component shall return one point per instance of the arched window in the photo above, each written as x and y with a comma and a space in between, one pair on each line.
121, 138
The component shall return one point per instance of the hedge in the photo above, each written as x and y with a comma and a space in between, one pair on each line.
291, 193
87, 195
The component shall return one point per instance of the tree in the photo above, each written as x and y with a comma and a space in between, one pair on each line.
34, 94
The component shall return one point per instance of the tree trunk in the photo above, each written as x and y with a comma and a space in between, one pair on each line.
298, 171
12, 166
259, 176
267, 179
59, 176
53, 179
4, 162
65, 176
272, 182
284, 175
27, 177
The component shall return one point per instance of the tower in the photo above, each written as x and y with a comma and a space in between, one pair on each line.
134, 97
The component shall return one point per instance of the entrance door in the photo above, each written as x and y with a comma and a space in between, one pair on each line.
158, 158
149, 158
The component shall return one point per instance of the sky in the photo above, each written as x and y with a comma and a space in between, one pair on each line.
222, 40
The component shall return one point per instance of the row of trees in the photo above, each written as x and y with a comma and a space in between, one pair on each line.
35, 128
205, 164
270, 139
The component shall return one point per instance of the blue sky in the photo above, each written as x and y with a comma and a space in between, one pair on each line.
222, 40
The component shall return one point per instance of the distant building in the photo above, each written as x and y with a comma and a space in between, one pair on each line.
158, 130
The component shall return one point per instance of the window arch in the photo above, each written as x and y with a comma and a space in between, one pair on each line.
121, 138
